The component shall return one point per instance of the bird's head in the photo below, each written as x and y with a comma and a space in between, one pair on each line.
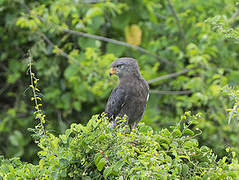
123, 67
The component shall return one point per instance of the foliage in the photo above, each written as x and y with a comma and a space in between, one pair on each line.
98, 151
73, 69
223, 25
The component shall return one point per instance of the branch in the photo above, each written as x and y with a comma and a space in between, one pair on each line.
113, 41
100, 38
169, 75
178, 22
93, 1
170, 92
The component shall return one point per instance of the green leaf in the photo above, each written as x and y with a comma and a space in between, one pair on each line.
189, 144
165, 146
107, 172
97, 158
204, 149
88, 43
115, 49
185, 169
117, 167
185, 157
177, 133
100, 165
63, 137
145, 128
188, 131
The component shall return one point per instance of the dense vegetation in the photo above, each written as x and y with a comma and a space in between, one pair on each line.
72, 44
98, 151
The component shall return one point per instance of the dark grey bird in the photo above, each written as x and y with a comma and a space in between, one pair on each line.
130, 96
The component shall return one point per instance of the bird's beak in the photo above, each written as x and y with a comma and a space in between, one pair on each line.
112, 71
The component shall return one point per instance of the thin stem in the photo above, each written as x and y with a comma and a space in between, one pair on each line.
33, 89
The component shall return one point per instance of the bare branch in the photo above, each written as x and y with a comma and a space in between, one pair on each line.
169, 75
178, 22
170, 92
113, 41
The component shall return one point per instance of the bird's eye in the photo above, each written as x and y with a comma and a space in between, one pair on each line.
120, 66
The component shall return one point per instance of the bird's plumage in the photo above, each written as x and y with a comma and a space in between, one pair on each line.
130, 96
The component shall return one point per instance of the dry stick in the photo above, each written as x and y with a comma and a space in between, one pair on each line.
170, 92
178, 22
170, 75
33, 89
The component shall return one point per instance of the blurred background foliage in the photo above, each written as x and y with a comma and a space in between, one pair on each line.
73, 42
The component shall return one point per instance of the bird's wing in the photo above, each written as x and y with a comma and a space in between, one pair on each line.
116, 101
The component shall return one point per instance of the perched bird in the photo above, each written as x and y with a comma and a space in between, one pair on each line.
130, 96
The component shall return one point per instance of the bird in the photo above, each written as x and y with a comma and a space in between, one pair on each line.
131, 94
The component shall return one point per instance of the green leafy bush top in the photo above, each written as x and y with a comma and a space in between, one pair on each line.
99, 151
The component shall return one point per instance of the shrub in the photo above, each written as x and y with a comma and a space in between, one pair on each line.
99, 151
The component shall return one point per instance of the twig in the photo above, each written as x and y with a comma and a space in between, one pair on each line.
4, 88
160, 16
169, 75
170, 92
178, 22
53, 45
232, 112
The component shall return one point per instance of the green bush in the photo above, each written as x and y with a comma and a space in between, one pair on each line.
99, 151
74, 68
